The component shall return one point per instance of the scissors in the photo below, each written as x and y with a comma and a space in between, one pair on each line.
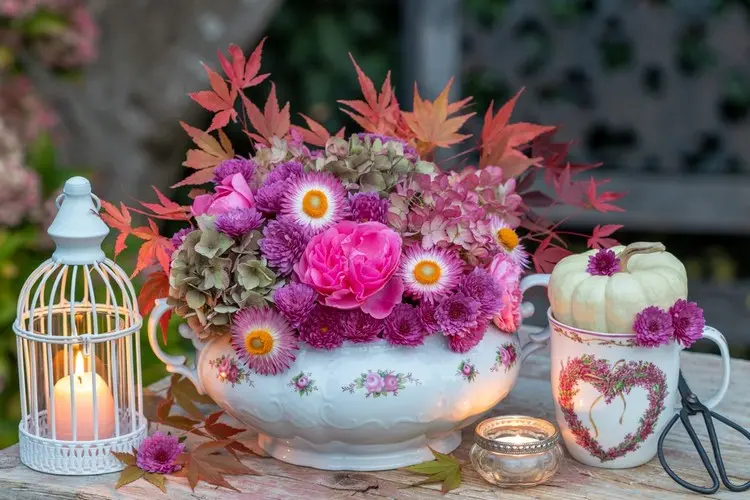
691, 405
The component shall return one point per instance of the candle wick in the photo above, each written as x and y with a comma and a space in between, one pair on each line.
80, 380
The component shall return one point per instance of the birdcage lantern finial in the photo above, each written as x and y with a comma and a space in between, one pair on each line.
77, 333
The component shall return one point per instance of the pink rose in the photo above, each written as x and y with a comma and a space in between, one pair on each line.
302, 382
467, 369
509, 318
232, 193
373, 383
233, 374
506, 357
390, 383
352, 266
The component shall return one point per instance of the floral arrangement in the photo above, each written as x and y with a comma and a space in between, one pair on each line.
323, 238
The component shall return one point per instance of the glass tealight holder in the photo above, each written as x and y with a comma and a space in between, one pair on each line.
516, 451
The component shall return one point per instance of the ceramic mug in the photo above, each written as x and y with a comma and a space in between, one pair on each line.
614, 398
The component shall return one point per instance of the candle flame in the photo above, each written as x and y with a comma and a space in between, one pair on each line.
79, 363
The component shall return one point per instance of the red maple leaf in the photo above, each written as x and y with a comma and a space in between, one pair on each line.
156, 249
272, 122
240, 72
599, 236
166, 209
432, 124
554, 157
316, 134
547, 255
570, 192
155, 287
204, 160
220, 100
600, 202
119, 220
500, 139
378, 113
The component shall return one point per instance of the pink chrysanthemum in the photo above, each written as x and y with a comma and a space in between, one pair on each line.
157, 454
458, 314
426, 312
283, 243
263, 340
316, 200
360, 327
429, 274
603, 263
295, 302
482, 287
468, 341
402, 326
323, 328
369, 206
285, 172
688, 322
269, 198
653, 327
238, 222
228, 168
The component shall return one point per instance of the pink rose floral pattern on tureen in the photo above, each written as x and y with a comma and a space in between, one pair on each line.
303, 384
229, 371
467, 370
314, 239
380, 383
506, 357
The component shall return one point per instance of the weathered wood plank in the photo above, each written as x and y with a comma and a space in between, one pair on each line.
532, 396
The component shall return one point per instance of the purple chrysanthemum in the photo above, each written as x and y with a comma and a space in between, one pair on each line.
323, 328
283, 243
603, 263
458, 314
285, 172
295, 301
228, 168
426, 312
687, 321
239, 221
263, 340
178, 237
482, 287
653, 327
360, 327
409, 151
269, 197
402, 326
470, 340
368, 206
157, 454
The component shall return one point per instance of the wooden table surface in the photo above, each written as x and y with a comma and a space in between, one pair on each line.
531, 396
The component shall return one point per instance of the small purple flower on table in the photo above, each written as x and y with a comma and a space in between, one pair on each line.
688, 322
653, 327
603, 263
158, 453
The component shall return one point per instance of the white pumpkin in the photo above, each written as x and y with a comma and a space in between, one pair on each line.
648, 276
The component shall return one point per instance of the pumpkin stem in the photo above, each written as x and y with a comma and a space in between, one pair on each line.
639, 247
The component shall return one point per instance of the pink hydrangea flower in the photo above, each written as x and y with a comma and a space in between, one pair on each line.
232, 193
158, 453
352, 266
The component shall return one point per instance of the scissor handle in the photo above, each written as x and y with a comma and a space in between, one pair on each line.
682, 415
717, 453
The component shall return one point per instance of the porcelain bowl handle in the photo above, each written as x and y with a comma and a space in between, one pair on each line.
538, 336
174, 363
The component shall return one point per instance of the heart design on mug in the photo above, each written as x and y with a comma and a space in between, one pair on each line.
611, 381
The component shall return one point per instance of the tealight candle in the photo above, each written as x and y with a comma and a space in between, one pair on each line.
516, 451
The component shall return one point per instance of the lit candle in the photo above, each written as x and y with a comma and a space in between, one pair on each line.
84, 406
517, 439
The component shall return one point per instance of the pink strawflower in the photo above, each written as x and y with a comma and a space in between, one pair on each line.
283, 243
239, 221
316, 200
403, 327
368, 206
603, 263
653, 327
238, 165
468, 341
295, 302
285, 172
429, 274
360, 327
482, 287
426, 312
157, 454
458, 314
688, 322
270, 196
263, 340
323, 329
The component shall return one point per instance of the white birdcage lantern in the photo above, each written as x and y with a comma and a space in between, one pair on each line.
79, 357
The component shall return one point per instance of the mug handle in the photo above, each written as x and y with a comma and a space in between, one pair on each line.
174, 363
538, 336
717, 338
